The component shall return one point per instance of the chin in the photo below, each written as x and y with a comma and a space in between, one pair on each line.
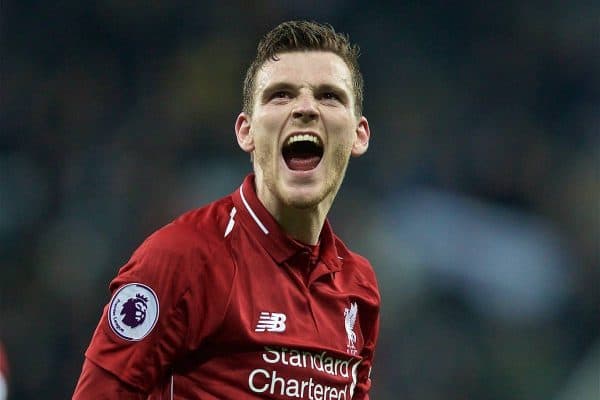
304, 201
303, 204
307, 196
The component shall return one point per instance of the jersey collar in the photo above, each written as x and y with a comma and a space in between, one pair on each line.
271, 236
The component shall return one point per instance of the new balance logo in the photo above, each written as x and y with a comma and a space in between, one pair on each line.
271, 322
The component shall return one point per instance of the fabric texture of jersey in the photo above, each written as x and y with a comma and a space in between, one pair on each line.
241, 311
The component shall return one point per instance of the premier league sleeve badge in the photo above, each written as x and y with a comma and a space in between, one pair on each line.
133, 311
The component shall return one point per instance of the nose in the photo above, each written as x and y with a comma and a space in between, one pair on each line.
305, 109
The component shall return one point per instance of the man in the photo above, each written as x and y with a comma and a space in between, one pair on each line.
253, 296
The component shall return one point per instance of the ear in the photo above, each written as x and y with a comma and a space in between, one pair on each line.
361, 141
242, 133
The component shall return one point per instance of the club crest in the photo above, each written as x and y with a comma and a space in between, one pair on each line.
133, 311
350, 315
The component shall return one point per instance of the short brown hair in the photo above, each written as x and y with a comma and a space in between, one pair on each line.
304, 36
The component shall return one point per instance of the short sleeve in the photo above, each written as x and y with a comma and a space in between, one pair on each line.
152, 319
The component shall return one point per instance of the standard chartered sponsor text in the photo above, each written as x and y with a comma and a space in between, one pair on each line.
270, 380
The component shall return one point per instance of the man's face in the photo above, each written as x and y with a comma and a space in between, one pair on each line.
303, 129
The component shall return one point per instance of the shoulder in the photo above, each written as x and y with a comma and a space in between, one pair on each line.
210, 220
191, 231
188, 242
358, 262
359, 267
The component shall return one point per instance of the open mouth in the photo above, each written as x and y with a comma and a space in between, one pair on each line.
302, 152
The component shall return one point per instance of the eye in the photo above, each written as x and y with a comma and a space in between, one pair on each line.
281, 94
330, 96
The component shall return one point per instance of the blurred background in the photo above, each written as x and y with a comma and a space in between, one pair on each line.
478, 201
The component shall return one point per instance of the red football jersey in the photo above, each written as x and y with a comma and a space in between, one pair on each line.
222, 304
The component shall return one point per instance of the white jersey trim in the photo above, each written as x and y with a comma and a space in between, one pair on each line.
172, 388
252, 214
231, 222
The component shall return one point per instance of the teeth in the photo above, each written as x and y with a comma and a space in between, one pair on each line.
303, 138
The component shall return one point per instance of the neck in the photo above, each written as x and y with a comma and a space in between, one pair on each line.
302, 224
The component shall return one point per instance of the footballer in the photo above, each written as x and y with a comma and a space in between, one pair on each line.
253, 296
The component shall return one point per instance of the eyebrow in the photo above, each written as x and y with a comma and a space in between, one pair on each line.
275, 87
320, 88
340, 91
